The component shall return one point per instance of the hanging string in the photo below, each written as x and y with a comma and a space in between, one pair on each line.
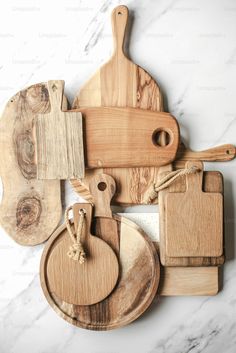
166, 181
76, 250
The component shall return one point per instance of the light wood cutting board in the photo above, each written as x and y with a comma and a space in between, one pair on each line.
136, 287
121, 83
212, 183
30, 209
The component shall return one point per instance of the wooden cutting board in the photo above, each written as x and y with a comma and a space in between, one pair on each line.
103, 188
59, 136
76, 283
30, 209
189, 281
198, 247
136, 288
121, 83
125, 137
218, 154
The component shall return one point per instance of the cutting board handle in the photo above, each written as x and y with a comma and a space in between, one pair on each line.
194, 180
56, 89
119, 20
103, 188
87, 207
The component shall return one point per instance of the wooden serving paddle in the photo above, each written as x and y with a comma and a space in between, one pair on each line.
102, 188
137, 284
122, 83
194, 219
86, 283
59, 135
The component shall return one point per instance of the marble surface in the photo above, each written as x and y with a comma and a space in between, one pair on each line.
189, 47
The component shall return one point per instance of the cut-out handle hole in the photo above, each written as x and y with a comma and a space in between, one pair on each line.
228, 151
102, 186
161, 138
119, 13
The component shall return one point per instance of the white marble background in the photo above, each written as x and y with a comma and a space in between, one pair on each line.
190, 49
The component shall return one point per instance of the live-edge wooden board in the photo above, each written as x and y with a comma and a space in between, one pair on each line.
30, 209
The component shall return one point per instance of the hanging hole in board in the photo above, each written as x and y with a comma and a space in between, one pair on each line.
161, 138
102, 186
228, 152
119, 13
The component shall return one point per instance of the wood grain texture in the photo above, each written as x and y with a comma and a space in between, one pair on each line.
121, 83
212, 183
30, 209
133, 183
135, 290
126, 137
87, 283
130, 86
59, 136
191, 281
103, 188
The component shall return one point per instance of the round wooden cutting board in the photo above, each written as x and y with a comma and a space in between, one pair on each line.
137, 284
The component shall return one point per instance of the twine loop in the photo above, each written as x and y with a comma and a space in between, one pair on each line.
76, 251
166, 181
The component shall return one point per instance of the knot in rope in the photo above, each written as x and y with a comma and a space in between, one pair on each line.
76, 251
166, 181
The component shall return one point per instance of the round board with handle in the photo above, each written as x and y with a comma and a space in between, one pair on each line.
80, 283
139, 268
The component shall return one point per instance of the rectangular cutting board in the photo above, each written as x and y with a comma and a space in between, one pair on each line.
212, 183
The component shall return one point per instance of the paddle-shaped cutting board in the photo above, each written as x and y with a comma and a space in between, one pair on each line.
59, 136
30, 209
126, 137
103, 188
87, 283
121, 83
136, 286
194, 219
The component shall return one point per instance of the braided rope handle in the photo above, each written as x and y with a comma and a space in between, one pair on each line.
76, 251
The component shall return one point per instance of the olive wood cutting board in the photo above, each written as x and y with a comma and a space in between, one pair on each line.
30, 209
219, 153
198, 256
121, 83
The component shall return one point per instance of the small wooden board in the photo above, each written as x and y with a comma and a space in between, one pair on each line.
136, 288
126, 137
186, 281
30, 209
212, 183
59, 136
75, 283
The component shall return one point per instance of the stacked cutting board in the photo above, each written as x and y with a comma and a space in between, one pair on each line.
117, 147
